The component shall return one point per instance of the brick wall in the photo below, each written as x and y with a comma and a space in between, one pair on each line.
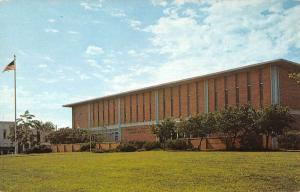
137, 133
289, 89
185, 92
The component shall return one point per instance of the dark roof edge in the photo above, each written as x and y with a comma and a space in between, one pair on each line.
182, 80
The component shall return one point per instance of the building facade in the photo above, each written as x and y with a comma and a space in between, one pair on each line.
6, 145
129, 115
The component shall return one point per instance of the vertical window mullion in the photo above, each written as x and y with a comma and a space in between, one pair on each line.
130, 115
197, 99
143, 106
150, 103
179, 100
188, 100
215, 95
164, 104
237, 90
171, 101
136, 108
248, 87
226, 91
261, 88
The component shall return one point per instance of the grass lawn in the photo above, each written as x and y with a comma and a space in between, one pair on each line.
152, 171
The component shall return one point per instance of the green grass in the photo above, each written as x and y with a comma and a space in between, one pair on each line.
152, 171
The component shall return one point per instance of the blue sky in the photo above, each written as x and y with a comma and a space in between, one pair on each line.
69, 51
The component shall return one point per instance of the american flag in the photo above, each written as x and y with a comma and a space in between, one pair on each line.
10, 66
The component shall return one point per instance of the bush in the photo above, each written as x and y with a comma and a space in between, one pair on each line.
151, 145
178, 145
86, 146
137, 144
40, 149
104, 150
126, 147
251, 141
290, 141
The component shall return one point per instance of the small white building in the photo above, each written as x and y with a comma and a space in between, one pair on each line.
6, 145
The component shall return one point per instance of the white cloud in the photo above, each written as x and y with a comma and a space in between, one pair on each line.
94, 50
221, 39
207, 39
47, 80
93, 63
162, 3
43, 65
48, 58
135, 24
51, 30
72, 32
91, 5
51, 20
118, 13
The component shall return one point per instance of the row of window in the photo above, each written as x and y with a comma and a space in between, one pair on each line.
129, 117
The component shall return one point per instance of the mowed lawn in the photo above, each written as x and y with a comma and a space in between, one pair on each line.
152, 171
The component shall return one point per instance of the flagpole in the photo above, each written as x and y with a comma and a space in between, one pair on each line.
15, 94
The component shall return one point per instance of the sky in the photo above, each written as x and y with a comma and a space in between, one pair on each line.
68, 51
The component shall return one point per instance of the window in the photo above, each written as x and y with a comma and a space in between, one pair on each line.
261, 89
114, 107
98, 116
136, 107
215, 95
116, 136
130, 115
197, 99
171, 101
103, 113
225, 92
164, 104
188, 99
4, 134
124, 109
150, 105
143, 106
108, 112
179, 100
237, 90
248, 87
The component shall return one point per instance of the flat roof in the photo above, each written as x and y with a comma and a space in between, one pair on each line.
182, 80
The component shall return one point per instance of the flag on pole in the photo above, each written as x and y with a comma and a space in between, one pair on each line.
10, 66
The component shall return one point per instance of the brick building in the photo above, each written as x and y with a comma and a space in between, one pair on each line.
128, 115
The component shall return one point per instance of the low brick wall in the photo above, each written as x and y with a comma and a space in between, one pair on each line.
213, 143
62, 148
106, 146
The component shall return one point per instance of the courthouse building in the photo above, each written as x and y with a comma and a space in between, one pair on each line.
129, 115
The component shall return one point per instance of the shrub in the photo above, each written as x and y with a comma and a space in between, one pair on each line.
137, 144
104, 150
151, 145
40, 149
86, 146
178, 145
126, 147
251, 141
290, 141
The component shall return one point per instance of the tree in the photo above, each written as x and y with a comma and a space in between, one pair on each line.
229, 124
274, 121
25, 135
182, 128
68, 136
42, 128
206, 125
165, 130
295, 76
